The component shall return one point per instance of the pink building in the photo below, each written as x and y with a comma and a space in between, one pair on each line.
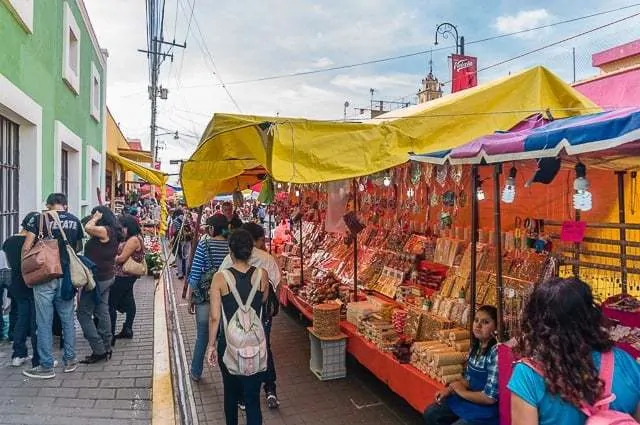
618, 84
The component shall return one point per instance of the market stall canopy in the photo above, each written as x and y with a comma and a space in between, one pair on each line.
309, 151
150, 175
611, 131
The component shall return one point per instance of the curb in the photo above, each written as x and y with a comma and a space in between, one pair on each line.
163, 407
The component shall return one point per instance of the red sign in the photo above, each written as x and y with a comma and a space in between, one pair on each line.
464, 70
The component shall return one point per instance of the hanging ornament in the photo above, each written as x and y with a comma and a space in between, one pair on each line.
435, 199
448, 199
456, 174
461, 200
441, 174
427, 172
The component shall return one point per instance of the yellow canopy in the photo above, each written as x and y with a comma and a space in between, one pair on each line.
307, 151
149, 175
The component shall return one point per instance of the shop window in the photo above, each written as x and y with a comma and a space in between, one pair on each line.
64, 172
71, 50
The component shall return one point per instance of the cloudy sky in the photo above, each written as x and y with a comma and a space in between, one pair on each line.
250, 39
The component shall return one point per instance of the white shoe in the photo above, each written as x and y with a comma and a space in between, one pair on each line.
18, 361
55, 363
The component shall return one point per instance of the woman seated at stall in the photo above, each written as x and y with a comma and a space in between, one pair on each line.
564, 343
474, 399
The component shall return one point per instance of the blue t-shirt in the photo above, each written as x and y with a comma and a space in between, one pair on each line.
530, 387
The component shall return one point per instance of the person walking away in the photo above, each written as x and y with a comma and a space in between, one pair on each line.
210, 252
260, 258
122, 297
565, 344
21, 300
57, 292
101, 249
474, 399
246, 287
182, 241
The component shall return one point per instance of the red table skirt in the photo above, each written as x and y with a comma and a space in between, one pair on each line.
405, 380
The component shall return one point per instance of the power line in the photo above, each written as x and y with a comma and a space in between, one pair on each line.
422, 52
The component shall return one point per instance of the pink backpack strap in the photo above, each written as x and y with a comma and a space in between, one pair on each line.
606, 375
532, 364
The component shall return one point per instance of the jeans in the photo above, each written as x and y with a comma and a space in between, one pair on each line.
237, 388
99, 336
270, 373
122, 299
440, 414
46, 295
25, 325
202, 339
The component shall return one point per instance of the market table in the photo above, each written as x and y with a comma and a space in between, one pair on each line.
405, 380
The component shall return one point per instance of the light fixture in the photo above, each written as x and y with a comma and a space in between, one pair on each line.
509, 192
582, 199
479, 192
411, 192
386, 181
361, 187
297, 193
279, 185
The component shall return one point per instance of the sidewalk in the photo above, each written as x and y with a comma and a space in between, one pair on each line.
114, 393
304, 400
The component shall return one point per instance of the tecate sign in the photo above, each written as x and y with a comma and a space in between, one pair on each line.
461, 64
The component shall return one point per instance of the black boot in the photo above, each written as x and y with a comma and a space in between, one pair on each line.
95, 358
125, 333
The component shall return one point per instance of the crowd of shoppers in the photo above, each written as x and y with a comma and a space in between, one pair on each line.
59, 299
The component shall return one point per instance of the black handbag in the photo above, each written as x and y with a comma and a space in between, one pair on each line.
200, 294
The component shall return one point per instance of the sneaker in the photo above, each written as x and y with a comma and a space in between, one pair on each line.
71, 366
241, 406
272, 401
39, 372
55, 363
18, 361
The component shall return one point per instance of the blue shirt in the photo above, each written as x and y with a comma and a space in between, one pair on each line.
209, 256
530, 387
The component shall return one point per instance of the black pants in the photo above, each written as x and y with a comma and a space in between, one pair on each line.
270, 373
121, 299
440, 414
237, 388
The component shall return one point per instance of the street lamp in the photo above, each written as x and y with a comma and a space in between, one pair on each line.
346, 105
445, 29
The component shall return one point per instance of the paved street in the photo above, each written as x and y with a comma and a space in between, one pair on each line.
113, 393
358, 399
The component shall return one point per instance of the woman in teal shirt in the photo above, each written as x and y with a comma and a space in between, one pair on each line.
564, 334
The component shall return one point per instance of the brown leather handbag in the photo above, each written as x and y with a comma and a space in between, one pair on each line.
42, 263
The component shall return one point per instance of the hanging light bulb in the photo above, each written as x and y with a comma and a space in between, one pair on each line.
582, 199
361, 187
480, 193
386, 181
279, 185
411, 192
509, 192
297, 193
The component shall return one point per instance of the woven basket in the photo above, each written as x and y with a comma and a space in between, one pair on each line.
326, 320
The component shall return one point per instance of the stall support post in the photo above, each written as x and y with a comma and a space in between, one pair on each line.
497, 170
355, 244
576, 250
269, 235
301, 254
623, 231
474, 243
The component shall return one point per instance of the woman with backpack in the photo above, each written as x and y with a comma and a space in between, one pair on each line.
238, 295
210, 252
569, 362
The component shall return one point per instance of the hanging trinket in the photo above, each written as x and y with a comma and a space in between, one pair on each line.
456, 174
416, 173
442, 171
427, 172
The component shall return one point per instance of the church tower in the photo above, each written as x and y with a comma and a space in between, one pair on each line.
431, 88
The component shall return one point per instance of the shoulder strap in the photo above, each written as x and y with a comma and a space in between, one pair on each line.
532, 364
231, 283
56, 219
606, 375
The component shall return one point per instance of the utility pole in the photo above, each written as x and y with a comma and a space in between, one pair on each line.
156, 57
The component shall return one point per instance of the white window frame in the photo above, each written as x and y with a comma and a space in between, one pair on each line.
93, 160
23, 110
96, 104
69, 26
72, 143
23, 12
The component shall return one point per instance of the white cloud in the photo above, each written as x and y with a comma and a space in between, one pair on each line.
322, 63
523, 20
362, 83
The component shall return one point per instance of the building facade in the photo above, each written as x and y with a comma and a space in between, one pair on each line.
52, 108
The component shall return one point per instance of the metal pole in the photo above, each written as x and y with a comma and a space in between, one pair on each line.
574, 64
270, 241
462, 45
623, 231
301, 254
497, 170
474, 244
355, 244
